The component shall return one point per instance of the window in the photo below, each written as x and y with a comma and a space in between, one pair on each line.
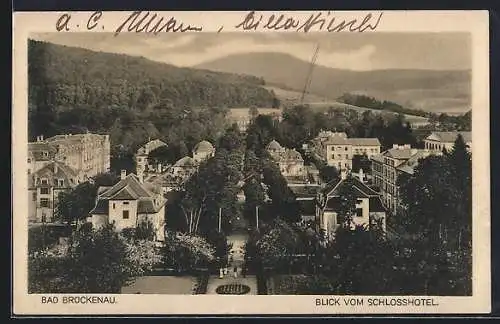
29, 171
44, 202
114, 205
44, 191
60, 182
125, 203
359, 201
29, 160
347, 165
125, 214
339, 156
45, 154
44, 181
359, 212
347, 156
333, 156
346, 148
34, 196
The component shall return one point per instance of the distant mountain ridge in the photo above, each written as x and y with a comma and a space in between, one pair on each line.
430, 90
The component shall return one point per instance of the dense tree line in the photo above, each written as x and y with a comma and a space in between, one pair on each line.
73, 90
372, 103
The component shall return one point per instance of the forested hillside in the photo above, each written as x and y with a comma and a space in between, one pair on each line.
74, 89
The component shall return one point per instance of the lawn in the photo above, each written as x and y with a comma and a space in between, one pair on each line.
168, 285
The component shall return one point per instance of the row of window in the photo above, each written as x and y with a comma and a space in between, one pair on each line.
360, 151
339, 157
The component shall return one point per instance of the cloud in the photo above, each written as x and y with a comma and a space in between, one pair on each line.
365, 51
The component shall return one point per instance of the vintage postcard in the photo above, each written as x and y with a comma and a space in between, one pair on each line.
321, 162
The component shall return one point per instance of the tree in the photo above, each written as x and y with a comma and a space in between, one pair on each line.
437, 201
186, 252
328, 173
232, 139
163, 154
347, 203
253, 112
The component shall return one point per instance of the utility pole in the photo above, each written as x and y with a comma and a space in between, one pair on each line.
257, 216
220, 218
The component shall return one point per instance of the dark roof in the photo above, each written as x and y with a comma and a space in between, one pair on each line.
307, 207
305, 191
376, 205
129, 188
333, 188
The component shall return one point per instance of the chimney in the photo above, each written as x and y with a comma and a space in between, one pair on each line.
159, 168
123, 174
39, 138
407, 146
361, 175
395, 146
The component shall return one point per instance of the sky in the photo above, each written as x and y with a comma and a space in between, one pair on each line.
361, 52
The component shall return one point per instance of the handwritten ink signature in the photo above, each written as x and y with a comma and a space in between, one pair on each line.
146, 22
319, 21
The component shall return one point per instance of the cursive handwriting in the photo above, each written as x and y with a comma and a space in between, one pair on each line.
146, 22
315, 22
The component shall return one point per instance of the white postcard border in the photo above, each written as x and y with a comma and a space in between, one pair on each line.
475, 22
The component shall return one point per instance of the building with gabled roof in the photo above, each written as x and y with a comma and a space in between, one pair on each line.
44, 187
369, 209
128, 203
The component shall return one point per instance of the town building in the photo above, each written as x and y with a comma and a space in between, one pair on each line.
128, 203
141, 156
183, 168
203, 151
58, 164
369, 211
306, 198
243, 118
338, 150
388, 166
44, 188
437, 141
290, 161
87, 154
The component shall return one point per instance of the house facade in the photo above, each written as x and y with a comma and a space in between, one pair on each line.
290, 161
388, 166
369, 211
437, 141
88, 154
128, 203
338, 150
142, 154
44, 187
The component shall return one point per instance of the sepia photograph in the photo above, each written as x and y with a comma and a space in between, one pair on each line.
264, 163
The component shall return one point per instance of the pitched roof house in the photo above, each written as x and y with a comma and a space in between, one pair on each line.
129, 202
369, 210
